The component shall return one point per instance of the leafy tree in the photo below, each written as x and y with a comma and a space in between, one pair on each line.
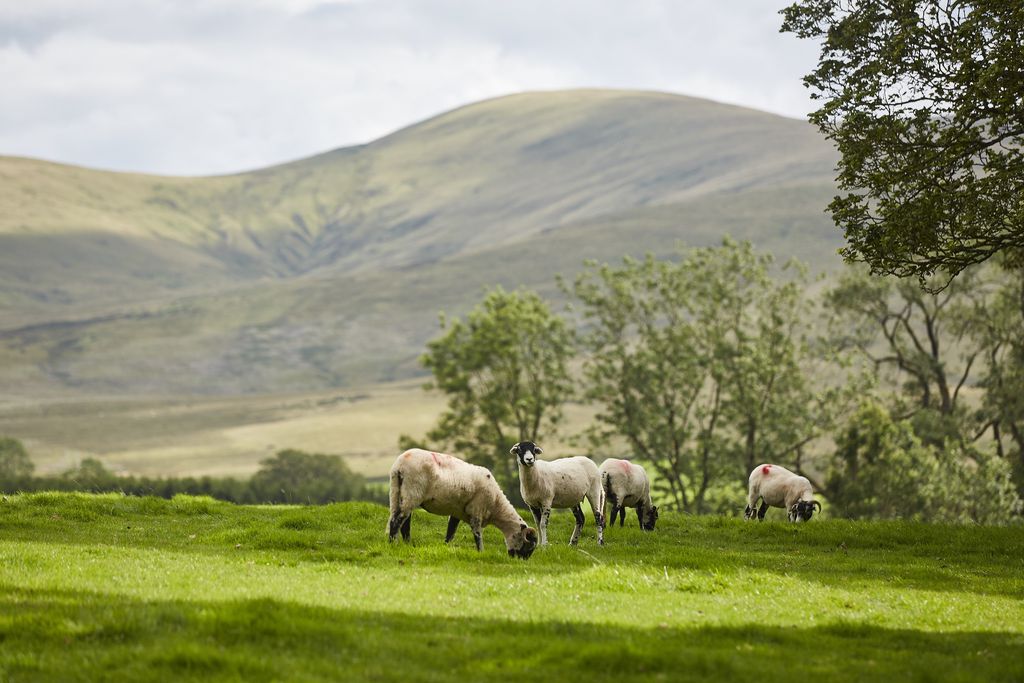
15, 464
505, 373
923, 99
997, 326
292, 476
91, 475
916, 338
884, 470
700, 365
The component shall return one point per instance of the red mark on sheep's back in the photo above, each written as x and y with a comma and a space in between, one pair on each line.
624, 464
766, 469
436, 460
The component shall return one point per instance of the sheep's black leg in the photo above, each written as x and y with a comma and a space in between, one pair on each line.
577, 512
622, 516
398, 522
764, 509
611, 498
748, 512
536, 515
453, 524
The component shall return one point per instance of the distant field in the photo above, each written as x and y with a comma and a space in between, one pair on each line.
226, 436
126, 589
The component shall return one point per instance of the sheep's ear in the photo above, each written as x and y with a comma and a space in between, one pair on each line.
514, 450
537, 450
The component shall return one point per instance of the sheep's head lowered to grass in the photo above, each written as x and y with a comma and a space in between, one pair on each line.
648, 518
803, 510
527, 452
523, 543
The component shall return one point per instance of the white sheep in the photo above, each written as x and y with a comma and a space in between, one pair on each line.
626, 486
778, 487
560, 483
445, 485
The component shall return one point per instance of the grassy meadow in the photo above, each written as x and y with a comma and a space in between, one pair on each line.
230, 435
119, 588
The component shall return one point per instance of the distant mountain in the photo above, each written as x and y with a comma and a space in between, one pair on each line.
331, 270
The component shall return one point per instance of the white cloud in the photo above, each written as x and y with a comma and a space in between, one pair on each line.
192, 87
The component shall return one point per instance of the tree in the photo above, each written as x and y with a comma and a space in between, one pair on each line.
920, 336
91, 475
997, 326
700, 365
15, 463
505, 373
924, 101
883, 470
293, 476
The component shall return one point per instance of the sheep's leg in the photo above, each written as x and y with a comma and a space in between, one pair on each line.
545, 516
536, 515
577, 512
453, 524
476, 524
398, 522
611, 499
622, 516
764, 509
751, 505
614, 513
600, 526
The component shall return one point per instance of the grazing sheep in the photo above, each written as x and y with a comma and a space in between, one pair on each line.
445, 485
560, 483
626, 486
778, 487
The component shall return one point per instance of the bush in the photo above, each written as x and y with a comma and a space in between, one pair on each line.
883, 470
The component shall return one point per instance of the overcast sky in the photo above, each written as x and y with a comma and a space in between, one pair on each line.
197, 87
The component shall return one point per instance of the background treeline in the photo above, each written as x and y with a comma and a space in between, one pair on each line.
291, 476
893, 398
894, 401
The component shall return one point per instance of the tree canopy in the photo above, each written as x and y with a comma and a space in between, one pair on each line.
925, 101
702, 365
505, 372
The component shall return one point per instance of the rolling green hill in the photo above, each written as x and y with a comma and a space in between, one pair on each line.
330, 271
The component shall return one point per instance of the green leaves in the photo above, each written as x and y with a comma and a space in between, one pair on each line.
700, 365
505, 372
923, 100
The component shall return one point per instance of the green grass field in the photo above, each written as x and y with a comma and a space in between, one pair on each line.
116, 588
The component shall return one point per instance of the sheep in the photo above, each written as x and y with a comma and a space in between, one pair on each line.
778, 487
559, 484
445, 485
626, 485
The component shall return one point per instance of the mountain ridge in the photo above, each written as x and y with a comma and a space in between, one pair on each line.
346, 243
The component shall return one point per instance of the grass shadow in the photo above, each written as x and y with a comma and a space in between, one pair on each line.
81, 636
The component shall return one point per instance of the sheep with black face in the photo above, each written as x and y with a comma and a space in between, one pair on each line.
445, 485
562, 483
778, 487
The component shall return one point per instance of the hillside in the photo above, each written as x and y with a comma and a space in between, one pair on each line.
330, 271
123, 589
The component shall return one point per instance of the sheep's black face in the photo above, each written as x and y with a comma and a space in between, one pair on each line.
527, 539
650, 517
803, 510
526, 452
